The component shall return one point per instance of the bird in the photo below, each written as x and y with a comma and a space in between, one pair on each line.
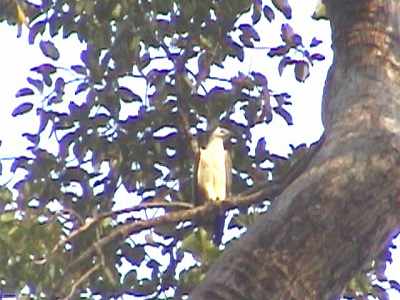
213, 176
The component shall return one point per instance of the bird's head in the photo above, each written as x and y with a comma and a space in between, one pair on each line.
221, 132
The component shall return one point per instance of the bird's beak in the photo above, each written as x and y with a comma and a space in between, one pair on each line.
227, 134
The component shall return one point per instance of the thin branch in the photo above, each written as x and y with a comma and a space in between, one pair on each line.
260, 48
219, 79
198, 84
122, 232
72, 212
91, 222
82, 279
108, 273
183, 100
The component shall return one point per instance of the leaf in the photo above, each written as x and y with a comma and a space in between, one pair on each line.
7, 217
38, 84
101, 119
44, 119
33, 138
315, 42
203, 64
266, 113
54, 24
153, 264
145, 287
135, 255
81, 87
86, 56
301, 70
145, 59
76, 174
22, 109
281, 99
284, 114
59, 85
240, 53
20, 162
65, 142
268, 13
246, 41
249, 32
284, 7
104, 62
278, 51
5, 196
127, 95
394, 285
44, 69
380, 292
130, 279
287, 34
297, 40
235, 47
24, 92
76, 110
47, 79
49, 50
79, 69
242, 81
91, 97
259, 79
286, 60
317, 56
256, 16
55, 99
195, 242
35, 29
261, 153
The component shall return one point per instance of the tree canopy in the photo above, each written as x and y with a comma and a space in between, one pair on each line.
129, 120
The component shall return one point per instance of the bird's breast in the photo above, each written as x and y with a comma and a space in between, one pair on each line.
212, 172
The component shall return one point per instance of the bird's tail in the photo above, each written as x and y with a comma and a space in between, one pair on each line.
218, 229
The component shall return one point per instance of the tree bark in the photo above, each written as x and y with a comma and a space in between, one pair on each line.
339, 214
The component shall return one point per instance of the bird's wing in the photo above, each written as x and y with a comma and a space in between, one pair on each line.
199, 194
228, 173
195, 178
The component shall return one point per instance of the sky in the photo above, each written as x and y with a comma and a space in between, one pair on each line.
17, 57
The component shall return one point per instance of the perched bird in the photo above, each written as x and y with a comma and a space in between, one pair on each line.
213, 176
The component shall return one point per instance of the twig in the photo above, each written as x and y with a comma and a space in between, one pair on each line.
84, 277
219, 79
91, 222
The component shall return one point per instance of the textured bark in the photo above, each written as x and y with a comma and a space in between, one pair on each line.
341, 211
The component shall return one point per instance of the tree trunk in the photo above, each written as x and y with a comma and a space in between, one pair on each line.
340, 212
